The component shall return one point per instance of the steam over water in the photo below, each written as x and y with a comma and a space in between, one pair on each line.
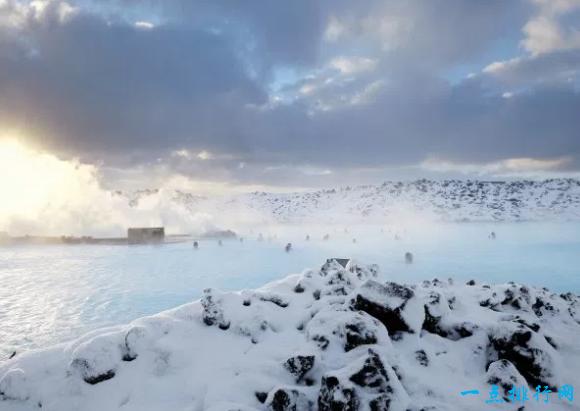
51, 294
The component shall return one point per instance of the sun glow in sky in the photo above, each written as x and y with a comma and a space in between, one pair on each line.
41, 194
34, 181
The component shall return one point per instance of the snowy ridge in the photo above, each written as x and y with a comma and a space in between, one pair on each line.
336, 338
451, 200
448, 200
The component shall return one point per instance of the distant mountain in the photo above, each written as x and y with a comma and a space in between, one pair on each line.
447, 200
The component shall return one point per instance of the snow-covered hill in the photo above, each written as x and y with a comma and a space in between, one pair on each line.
450, 200
336, 338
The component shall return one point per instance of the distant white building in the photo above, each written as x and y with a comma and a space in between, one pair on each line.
144, 235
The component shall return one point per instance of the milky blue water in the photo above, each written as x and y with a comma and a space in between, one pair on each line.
51, 294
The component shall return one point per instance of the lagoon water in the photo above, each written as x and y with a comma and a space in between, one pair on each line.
54, 293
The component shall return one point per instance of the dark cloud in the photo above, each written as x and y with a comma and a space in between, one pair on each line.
92, 84
427, 35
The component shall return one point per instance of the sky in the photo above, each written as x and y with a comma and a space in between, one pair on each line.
230, 95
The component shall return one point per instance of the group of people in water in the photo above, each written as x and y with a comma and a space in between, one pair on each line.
408, 255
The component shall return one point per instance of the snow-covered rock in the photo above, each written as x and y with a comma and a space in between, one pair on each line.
392, 304
505, 375
336, 338
368, 383
13, 386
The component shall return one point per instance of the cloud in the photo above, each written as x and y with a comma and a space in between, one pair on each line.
529, 70
146, 25
549, 30
511, 167
196, 89
89, 85
353, 65
430, 32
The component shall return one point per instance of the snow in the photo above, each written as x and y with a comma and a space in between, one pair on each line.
447, 200
315, 340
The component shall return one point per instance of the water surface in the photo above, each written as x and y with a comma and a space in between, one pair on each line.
51, 294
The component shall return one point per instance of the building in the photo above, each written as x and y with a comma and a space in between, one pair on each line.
145, 235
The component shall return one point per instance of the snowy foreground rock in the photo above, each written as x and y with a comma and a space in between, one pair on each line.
333, 339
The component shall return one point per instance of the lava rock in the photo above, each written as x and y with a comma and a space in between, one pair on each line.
261, 396
316, 295
542, 307
331, 266
531, 325
435, 309
274, 299
550, 341
97, 359
96, 379
524, 348
338, 283
517, 297
299, 288
392, 304
357, 334
439, 321
133, 339
334, 396
287, 399
363, 272
372, 374
505, 375
422, 358
366, 381
453, 332
568, 297
347, 329
213, 313
299, 365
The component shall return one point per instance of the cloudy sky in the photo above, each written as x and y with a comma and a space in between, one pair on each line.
296, 93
